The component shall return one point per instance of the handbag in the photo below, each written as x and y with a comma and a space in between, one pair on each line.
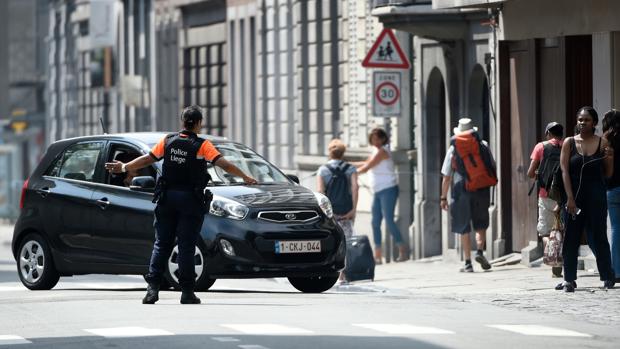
552, 255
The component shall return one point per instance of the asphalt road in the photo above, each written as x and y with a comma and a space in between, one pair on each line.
97, 311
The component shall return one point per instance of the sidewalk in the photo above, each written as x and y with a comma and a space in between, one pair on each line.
514, 286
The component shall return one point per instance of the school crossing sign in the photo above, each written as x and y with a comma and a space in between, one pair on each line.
386, 53
386, 93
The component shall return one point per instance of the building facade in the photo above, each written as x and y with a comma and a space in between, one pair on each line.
452, 78
513, 66
23, 65
92, 89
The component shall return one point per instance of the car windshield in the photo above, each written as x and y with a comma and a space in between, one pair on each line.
249, 162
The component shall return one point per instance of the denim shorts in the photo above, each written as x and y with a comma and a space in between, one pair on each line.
470, 209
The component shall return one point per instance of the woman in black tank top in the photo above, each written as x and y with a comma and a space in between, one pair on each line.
586, 162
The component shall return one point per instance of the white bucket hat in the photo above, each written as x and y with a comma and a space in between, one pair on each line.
465, 125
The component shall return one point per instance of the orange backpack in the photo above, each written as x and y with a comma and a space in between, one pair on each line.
474, 161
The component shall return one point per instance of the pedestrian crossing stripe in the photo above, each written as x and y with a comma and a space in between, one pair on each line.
119, 332
252, 346
13, 340
225, 339
266, 329
538, 330
404, 329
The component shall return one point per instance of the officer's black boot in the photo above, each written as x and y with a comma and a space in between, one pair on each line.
152, 294
188, 297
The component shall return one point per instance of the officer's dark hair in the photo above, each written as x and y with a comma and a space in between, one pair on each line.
191, 116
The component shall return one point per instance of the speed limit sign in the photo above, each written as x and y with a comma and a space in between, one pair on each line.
386, 93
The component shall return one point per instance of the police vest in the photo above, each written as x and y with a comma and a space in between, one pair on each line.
181, 168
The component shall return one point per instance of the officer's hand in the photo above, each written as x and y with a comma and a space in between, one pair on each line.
249, 180
114, 167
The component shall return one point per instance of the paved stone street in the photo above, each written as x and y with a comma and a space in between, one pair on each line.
515, 286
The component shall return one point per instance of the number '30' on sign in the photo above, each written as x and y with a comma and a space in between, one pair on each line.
386, 93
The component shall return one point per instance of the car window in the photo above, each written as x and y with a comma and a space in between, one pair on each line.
77, 162
249, 162
125, 153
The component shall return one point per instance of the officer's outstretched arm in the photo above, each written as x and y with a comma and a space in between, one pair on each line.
234, 170
135, 164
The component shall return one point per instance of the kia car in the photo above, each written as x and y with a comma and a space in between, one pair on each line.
76, 218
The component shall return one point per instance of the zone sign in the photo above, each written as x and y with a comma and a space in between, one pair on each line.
386, 93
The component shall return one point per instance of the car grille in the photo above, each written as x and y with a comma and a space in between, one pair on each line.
288, 216
293, 195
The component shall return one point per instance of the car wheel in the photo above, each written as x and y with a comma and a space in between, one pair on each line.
35, 265
315, 284
203, 282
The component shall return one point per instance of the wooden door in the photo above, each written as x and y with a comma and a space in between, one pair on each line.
522, 63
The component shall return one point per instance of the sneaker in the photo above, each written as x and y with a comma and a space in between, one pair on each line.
569, 287
560, 286
483, 262
468, 268
556, 272
609, 284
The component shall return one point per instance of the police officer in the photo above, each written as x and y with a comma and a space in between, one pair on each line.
181, 202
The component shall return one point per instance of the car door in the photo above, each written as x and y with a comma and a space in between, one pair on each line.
123, 231
65, 199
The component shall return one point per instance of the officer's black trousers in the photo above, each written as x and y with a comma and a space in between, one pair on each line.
180, 217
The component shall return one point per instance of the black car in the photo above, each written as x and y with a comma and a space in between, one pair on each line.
76, 218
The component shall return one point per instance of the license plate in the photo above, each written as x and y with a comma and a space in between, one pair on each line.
308, 246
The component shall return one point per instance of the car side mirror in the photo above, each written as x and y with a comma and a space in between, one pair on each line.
293, 178
143, 183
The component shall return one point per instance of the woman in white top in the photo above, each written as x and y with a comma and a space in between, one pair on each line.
384, 185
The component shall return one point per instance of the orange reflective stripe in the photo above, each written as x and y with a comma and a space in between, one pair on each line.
207, 151
158, 149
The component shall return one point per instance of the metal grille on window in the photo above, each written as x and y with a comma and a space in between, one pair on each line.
204, 84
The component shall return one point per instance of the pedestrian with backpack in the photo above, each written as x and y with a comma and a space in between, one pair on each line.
469, 168
338, 181
543, 167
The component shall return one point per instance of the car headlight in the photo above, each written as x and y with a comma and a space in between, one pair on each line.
223, 207
325, 204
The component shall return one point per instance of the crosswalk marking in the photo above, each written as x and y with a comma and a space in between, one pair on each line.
404, 329
252, 346
538, 330
270, 329
115, 332
12, 340
225, 339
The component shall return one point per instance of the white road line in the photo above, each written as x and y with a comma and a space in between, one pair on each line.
116, 332
12, 340
404, 329
252, 346
12, 288
264, 329
538, 330
225, 339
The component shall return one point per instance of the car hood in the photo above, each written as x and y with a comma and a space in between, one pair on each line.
267, 195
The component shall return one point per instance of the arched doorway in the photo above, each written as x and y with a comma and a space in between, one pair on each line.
434, 149
478, 101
